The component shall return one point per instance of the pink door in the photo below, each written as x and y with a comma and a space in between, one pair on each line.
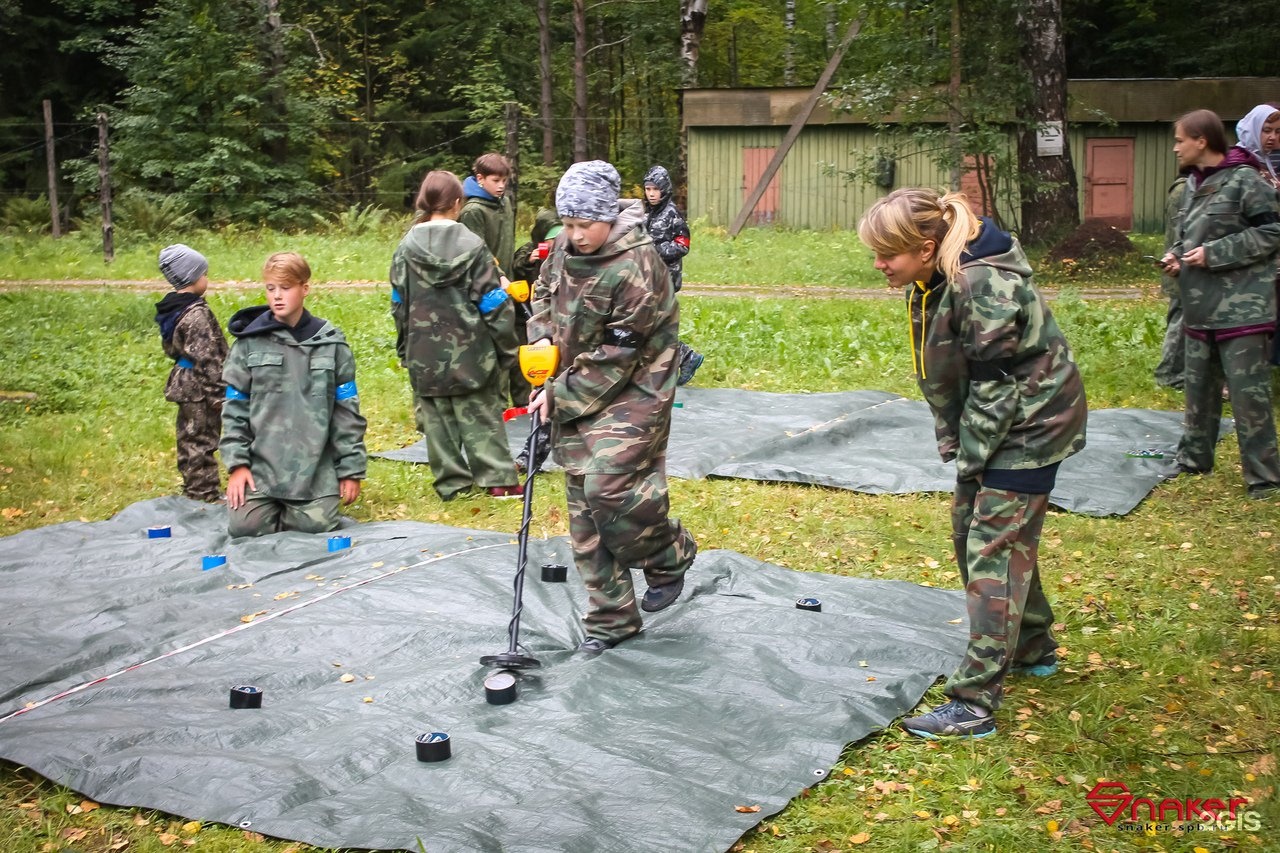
971, 185
754, 162
1108, 181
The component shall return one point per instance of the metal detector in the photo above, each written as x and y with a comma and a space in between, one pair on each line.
537, 364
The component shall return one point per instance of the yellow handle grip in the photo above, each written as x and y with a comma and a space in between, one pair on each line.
539, 363
518, 290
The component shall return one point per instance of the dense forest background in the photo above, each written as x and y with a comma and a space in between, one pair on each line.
273, 111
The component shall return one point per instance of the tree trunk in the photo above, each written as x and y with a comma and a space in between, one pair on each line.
789, 51
1048, 181
277, 110
953, 96
544, 71
693, 17
579, 80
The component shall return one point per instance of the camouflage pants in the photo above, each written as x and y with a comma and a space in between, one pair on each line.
996, 534
199, 428
1173, 353
620, 522
466, 441
263, 514
1243, 363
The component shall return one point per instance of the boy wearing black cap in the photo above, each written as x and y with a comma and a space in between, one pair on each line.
191, 336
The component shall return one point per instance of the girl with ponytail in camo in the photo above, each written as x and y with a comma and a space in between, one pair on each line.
1008, 407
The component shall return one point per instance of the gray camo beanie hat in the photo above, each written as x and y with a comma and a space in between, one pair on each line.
589, 191
182, 265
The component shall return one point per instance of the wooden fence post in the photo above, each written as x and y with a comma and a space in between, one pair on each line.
51, 163
104, 181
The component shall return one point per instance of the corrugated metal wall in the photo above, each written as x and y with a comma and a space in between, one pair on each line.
815, 197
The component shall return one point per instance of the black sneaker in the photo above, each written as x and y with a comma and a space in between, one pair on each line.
1043, 668
1264, 491
688, 366
954, 719
661, 597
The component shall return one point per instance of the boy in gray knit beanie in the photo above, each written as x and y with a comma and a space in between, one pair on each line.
192, 337
604, 298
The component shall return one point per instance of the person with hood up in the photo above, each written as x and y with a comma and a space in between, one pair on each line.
191, 336
670, 235
604, 297
292, 432
1259, 134
455, 334
1225, 260
1008, 407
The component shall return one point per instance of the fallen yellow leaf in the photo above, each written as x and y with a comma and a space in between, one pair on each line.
88, 805
191, 827
1051, 825
860, 838
746, 809
347, 678
923, 815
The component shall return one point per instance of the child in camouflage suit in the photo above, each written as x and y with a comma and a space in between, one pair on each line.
455, 333
670, 235
191, 336
292, 433
1008, 407
605, 299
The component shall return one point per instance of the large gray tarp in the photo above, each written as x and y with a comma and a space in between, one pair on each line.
732, 696
871, 441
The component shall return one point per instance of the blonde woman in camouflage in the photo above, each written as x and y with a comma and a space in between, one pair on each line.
1008, 407
1224, 259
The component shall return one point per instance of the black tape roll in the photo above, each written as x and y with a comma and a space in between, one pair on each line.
245, 696
554, 573
809, 604
500, 688
433, 746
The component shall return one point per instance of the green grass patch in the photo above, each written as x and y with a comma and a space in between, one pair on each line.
1170, 616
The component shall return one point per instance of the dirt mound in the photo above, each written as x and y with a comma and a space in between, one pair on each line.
1092, 241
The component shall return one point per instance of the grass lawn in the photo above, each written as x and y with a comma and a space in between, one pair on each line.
1169, 617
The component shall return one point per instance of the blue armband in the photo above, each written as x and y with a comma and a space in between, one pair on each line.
492, 300
186, 363
234, 393
396, 299
345, 391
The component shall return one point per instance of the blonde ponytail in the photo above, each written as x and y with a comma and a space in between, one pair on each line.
962, 227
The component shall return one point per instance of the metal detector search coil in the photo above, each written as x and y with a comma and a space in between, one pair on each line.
433, 746
500, 688
809, 604
159, 532
245, 696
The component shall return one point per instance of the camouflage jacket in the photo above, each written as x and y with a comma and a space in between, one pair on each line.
613, 315
291, 413
1235, 216
1172, 206
666, 226
993, 364
455, 325
524, 265
492, 219
191, 336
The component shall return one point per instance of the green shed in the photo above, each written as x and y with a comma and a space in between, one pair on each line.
1119, 133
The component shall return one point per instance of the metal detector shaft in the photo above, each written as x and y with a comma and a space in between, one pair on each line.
512, 658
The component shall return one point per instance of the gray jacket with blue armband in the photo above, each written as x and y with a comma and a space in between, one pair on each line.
292, 411
455, 325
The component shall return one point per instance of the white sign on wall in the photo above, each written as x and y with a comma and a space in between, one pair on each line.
1049, 139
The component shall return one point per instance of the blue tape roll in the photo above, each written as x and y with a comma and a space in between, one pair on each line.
159, 532
339, 543
433, 746
212, 561
809, 604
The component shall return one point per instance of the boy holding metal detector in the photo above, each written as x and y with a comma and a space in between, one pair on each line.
605, 299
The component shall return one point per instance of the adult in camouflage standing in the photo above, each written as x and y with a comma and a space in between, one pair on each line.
191, 336
1225, 260
455, 334
605, 299
671, 237
292, 432
1259, 133
1008, 407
